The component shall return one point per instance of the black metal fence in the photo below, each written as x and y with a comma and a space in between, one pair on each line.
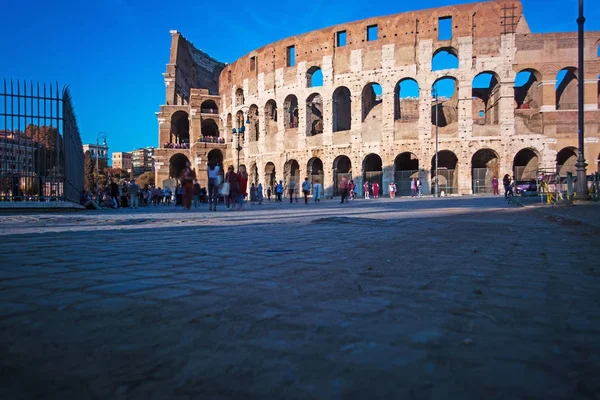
41, 157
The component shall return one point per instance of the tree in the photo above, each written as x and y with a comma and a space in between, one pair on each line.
147, 178
88, 171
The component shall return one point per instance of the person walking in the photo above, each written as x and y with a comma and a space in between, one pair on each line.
292, 189
351, 189
197, 190
214, 178
279, 191
366, 189
269, 193
376, 190
114, 192
168, 195
495, 186
243, 183
391, 189
253, 197
418, 187
317, 191
413, 187
306, 189
134, 191
187, 178
344, 188
507, 188
234, 188
259, 193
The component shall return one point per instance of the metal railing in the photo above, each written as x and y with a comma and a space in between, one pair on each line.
41, 156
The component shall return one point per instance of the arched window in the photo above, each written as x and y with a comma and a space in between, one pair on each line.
444, 58
444, 105
566, 89
254, 126
528, 92
314, 77
406, 100
209, 107
290, 109
239, 97
271, 117
371, 101
209, 128
486, 98
180, 127
314, 114
342, 109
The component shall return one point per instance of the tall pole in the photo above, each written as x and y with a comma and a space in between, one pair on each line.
581, 190
437, 180
97, 152
238, 148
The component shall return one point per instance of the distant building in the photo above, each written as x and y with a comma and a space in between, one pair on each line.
16, 154
122, 160
98, 152
142, 160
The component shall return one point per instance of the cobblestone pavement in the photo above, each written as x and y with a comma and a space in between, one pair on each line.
458, 298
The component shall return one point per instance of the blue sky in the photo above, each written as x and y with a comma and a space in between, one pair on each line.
112, 53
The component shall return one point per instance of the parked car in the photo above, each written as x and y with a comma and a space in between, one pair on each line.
526, 188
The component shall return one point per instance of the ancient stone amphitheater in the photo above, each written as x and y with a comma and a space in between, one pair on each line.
370, 99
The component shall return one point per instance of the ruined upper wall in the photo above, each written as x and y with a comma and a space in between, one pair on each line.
189, 68
485, 22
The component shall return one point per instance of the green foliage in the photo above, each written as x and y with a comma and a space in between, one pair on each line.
147, 178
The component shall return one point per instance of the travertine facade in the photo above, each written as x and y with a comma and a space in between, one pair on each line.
373, 132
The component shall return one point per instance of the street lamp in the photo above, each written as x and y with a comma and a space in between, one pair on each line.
581, 190
101, 135
435, 95
239, 132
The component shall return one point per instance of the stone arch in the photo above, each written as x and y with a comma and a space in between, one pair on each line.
444, 111
177, 164
314, 114
528, 90
271, 117
290, 109
486, 98
342, 109
566, 160
215, 155
270, 177
373, 170
342, 166
444, 58
525, 164
291, 171
240, 120
371, 101
406, 167
566, 89
314, 170
254, 125
229, 123
239, 97
209, 127
314, 77
180, 127
447, 172
253, 174
209, 107
406, 100
484, 167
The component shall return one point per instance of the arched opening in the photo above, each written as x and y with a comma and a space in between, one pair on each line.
528, 90
290, 109
486, 98
342, 167
314, 77
314, 169
566, 160
271, 117
373, 170
447, 172
406, 100
314, 114
254, 125
253, 174
229, 123
215, 156
270, 178
291, 172
342, 109
239, 97
209, 128
371, 101
176, 165
566, 89
525, 165
209, 107
444, 107
406, 167
444, 58
484, 167
180, 128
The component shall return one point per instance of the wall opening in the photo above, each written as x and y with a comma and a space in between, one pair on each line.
239, 97
314, 114
373, 170
271, 117
444, 28
444, 58
270, 178
525, 165
566, 160
372, 101
446, 111
566, 89
484, 167
290, 109
406, 168
342, 167
209, 107
291, 172
314, 169
180, 127
254, 125
314, 77
291, 56
210, 128
447, 172
340, 39
486, 99
406, 100
177, 165
253, 63
342, 109
528, 92
372, 33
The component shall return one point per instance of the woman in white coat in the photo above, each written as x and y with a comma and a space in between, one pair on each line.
317, 191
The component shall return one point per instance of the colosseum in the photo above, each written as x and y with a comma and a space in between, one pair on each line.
372, 99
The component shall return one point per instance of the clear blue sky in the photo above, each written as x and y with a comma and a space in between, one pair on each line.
112, 52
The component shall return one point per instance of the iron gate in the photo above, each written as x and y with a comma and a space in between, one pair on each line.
41, 156
446, 181
403, 179
482, 180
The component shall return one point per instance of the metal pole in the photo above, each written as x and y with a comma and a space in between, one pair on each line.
437, 180
238, 148
97, 146
582, 190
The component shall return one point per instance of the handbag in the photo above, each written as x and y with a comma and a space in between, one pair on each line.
225, 189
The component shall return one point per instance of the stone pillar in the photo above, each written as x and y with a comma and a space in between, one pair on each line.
548, 95
590, 93
465, 113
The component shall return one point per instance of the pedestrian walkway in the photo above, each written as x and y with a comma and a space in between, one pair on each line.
456, 298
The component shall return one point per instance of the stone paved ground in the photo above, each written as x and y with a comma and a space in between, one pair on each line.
463, 298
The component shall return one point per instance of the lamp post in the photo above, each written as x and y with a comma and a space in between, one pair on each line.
101, 135
435, 94
239, 132
581, 190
